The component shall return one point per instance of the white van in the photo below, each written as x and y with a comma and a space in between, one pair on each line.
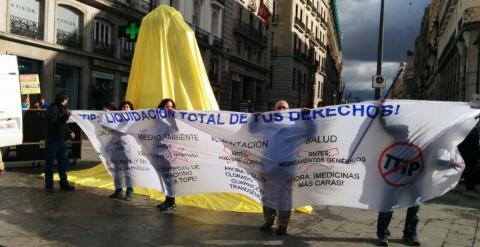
10, 102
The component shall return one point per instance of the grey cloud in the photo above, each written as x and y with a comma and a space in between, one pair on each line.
360, 21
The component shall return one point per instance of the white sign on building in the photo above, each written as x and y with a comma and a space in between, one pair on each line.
67, 20
25, 9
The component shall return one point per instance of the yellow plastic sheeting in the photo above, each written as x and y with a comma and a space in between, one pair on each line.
98, 177
168, 64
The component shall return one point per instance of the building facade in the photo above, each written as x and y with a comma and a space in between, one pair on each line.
73, 46
446, 63
306, 39
76, 48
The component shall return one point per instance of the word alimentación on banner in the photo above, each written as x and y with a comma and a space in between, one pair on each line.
363, 155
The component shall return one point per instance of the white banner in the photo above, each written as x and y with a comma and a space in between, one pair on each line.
363, 155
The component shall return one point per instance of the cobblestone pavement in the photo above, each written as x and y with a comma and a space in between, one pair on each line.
31, 217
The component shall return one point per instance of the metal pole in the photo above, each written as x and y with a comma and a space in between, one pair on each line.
380, 47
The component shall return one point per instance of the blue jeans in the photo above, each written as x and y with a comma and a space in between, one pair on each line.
55, 150
411, 221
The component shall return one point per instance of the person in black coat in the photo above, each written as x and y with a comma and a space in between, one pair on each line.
55, 148
470, 151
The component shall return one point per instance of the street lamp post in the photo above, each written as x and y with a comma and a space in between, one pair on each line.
380, 47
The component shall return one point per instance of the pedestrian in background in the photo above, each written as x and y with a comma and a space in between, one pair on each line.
2, 165
55, 148
42, 103
26, 103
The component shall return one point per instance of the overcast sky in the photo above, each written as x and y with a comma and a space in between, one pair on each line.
359, 21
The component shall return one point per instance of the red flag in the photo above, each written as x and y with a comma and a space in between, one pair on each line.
263, 11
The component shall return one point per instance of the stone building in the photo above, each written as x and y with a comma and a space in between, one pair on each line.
446, 63
76, 47
306, 46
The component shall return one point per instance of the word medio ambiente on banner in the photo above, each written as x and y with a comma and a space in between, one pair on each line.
362, 110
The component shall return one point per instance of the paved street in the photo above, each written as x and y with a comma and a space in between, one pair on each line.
31, 217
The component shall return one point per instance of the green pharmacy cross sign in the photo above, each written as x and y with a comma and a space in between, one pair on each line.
130, 31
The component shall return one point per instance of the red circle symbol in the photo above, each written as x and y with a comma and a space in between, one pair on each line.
401, 163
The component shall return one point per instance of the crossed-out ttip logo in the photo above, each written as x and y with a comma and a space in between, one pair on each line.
401, 163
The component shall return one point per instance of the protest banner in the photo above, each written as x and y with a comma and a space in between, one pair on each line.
363, 155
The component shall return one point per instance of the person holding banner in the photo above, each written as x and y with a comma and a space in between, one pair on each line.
55, 147
399, 133
169, 203
276, 191
470, 151
272, 214
122, 176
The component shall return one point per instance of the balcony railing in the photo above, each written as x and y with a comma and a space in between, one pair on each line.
249, 32
217, 42
322, 45
309, 4
323, 20
202, 35
103, 48
143, 6
315, 11
25, 27
299, 24
72, 40
308, 32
